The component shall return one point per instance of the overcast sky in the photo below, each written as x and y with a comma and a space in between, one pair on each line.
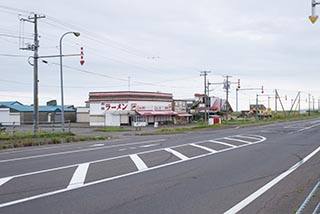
163, 46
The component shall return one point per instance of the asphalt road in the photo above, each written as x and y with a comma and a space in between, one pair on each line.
265, 169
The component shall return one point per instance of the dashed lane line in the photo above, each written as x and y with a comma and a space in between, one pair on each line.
122, 156
97, 145
6, 204
304, 129
77, 151
222, 143
203, 147
138, 162
150, 145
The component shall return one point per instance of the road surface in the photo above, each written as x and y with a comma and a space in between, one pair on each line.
263, 169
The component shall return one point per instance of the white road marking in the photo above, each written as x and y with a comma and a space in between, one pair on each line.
238, 140
120, 150
5, 180
79, 176
203, 147
111, 178
222, 143
97, 145
77, 151
269, 185
306, 128
248, 137
132, 147
122, 156
138, 162
150, 145
178, 154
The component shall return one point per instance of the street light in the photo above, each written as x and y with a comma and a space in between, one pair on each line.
61, 77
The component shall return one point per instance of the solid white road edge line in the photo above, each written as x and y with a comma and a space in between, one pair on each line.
267, 186
10, 203
178, 154
203, 147
79, 176
222, 143
80, 150
138, 162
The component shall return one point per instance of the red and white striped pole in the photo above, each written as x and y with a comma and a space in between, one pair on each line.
81, 56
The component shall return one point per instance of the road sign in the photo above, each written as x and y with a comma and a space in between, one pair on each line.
313, 19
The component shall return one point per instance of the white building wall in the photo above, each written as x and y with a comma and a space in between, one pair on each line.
83, 115
15, 118
116, 113
5, 116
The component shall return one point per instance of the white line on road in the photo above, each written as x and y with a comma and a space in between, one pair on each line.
80, 150
238, 140
97, 145
138, 162
5, 180
269, 185
150, 145
306, 128
222, 143
122, 156
178, 154
248, 137
10, 203
121, 150
79, 176
203, 147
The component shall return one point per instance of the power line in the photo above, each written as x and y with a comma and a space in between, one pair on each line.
15, 36
15, 9
13, 55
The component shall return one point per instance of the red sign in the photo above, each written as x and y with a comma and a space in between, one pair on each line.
116, 107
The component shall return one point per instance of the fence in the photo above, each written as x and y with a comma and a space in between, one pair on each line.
13, 127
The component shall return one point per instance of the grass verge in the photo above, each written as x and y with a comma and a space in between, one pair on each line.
25, 139
112, 129
232, 123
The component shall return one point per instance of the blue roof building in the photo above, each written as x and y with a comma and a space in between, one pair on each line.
46, 113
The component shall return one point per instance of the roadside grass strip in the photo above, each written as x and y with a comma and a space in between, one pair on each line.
78, 178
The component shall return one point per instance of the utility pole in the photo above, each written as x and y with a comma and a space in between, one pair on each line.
275, 102
309, 104
227, 87
35, 117
204, 74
